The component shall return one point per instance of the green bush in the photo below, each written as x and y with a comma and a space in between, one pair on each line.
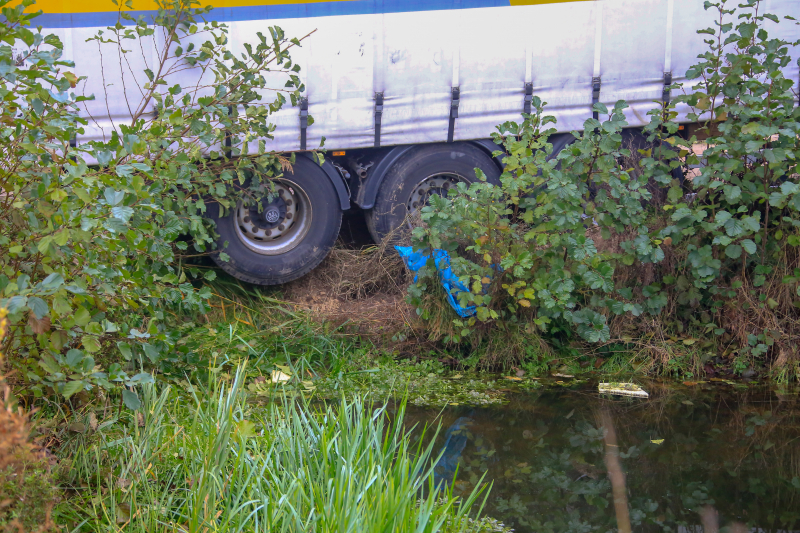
741, 225
525, 246
608, 229
90, 255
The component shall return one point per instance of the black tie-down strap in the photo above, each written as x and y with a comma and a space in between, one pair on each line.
454, 102
378, 118
595, 96
528, 98
303, 122
667, 82
228, 138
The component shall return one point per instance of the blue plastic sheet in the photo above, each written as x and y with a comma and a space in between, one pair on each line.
455, 441
415, 260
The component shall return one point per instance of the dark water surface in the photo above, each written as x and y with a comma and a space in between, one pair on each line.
714, 452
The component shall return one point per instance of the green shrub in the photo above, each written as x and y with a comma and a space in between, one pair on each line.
526, 247
90, 255
741, 225
608, 229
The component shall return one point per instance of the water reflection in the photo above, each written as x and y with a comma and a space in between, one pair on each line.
568, 460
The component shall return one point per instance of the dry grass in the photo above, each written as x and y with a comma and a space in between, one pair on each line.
357, 274
364, 287
768, 308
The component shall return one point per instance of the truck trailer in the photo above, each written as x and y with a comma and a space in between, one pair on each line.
407, 93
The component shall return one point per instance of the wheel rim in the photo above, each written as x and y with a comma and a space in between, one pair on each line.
438, 184
279, 223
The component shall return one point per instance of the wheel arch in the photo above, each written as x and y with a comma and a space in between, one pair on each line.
336, 180
368, 191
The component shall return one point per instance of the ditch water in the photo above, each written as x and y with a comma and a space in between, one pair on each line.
721, 454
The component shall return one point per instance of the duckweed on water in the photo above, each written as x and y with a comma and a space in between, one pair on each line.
423, 384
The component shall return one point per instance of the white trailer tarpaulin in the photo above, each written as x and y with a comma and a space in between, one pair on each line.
416, 52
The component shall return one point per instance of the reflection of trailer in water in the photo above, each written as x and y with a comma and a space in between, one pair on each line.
406, 92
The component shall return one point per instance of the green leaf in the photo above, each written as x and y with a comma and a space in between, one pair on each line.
681, 213
732, 193
123, 213
750, 128
61, 306
125, 350
142, 378
71, 387
734, 251
73, 357
749, 246
753, 146
49, 365
131, 400
113, 197
38, 306
90, 343
16, 303
53, 281
733, 227
82, 316
44, 244
151, 352
245, 429
94, 328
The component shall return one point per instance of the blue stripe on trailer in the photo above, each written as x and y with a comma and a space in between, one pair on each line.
273, 12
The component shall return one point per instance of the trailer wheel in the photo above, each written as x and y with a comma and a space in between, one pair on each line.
284, 238
423, 172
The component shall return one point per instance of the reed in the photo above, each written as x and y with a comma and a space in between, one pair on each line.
210, 461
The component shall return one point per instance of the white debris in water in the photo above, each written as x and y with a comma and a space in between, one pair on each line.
626, 389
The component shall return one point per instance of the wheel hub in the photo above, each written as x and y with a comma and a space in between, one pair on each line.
439, 184
277, 223
272, 213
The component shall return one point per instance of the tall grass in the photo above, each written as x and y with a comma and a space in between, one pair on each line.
248, 324
209, 461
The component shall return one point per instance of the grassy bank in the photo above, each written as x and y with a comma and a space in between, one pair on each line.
211, 456
230, 437
217, 440
211, 460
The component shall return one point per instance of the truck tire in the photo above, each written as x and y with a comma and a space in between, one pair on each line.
426, 170
289, 237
